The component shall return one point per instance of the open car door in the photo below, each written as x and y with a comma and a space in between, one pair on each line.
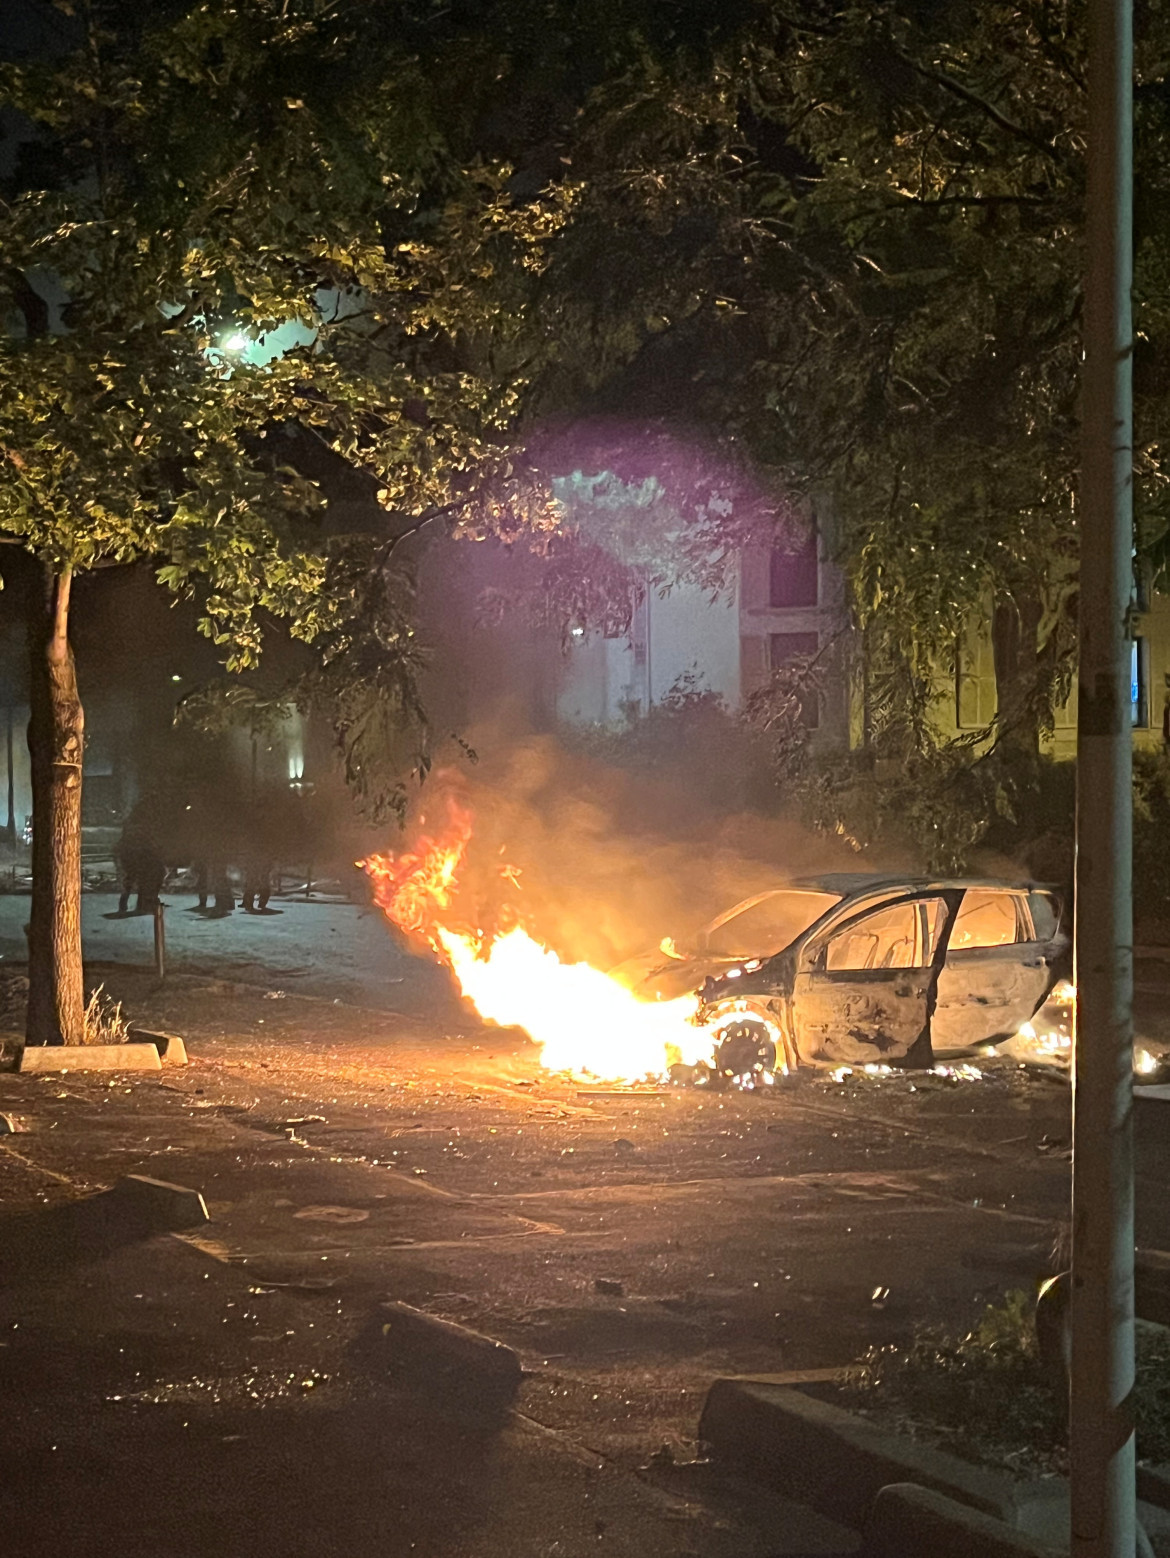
864, 989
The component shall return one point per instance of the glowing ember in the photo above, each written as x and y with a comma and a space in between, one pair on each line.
582, 1019
1048, 1038
960, 1073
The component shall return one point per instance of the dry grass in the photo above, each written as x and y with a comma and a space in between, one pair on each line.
105, 1022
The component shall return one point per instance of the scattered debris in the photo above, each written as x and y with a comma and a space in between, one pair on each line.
609, 1285
274, 995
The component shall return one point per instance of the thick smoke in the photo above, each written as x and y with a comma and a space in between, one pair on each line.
599, 859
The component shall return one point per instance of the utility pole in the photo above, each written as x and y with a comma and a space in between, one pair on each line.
1104, 1521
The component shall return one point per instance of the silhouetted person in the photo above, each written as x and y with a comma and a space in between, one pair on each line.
142, 869
257, 882
212, 881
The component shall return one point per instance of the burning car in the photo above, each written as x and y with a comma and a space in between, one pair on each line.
857, 970
837, 971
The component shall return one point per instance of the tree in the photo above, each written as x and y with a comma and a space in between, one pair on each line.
239, 244
847, 239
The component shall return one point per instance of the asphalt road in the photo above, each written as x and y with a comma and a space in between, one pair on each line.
631, 1248
212, 1397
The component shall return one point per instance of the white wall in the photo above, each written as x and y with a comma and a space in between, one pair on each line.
672, 636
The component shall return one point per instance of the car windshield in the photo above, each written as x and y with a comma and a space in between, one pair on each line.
767, 923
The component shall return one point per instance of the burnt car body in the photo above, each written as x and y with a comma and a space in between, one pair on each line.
885, 971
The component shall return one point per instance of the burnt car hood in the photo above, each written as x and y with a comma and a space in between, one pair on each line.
653, 976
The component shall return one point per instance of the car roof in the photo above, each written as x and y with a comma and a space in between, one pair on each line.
849, 883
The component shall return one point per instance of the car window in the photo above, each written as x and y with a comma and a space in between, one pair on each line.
888, 938
986, 919
1045, 915
760, 929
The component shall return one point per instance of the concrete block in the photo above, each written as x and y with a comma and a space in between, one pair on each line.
837, 1462
908, 1521
156, 1206
172, 1050
52, 1241
456, 1366
42, 1058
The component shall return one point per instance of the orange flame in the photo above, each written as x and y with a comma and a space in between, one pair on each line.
581, 1018
414, 890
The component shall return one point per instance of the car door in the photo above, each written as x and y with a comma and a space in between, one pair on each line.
864, 986
995, 972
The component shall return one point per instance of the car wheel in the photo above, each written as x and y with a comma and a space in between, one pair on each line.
745, 1048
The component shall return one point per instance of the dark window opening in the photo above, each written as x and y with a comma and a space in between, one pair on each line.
794, 574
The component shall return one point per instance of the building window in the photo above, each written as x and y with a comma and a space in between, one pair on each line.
975, 699
1139, 683
794, 574
783, 650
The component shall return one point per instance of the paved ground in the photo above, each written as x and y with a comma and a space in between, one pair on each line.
327, 949
214, 1396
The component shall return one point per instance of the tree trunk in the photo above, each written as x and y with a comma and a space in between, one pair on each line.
56, 996
10, 825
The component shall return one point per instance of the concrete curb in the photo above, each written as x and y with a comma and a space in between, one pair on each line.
157, 1206
459, 1366
41, 1245
837, 1462
39, 1059
172, 1051
908, 1521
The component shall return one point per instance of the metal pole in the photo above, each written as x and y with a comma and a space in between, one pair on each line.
1102, 1373
160, 941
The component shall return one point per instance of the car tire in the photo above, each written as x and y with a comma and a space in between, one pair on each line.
744, 1048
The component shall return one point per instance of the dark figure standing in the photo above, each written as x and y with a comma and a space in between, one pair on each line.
212, 881
143, 870
257, 883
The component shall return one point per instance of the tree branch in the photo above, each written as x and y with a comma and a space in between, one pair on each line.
977, 200
29, 301
949, 84
428, 518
